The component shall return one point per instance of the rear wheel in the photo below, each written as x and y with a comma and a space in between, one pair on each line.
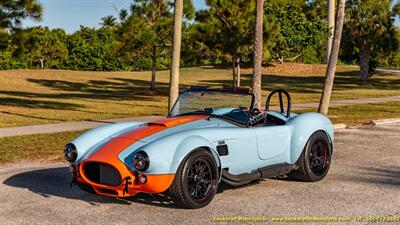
315, 159
195, 182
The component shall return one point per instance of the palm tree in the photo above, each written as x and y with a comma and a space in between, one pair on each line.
258, 47
123, 15
176, 54
108, 21
330, 72
331, 26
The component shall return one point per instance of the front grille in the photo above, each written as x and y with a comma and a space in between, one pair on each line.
102, 173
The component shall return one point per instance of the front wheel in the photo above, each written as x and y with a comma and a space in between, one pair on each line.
315, 159
195, 182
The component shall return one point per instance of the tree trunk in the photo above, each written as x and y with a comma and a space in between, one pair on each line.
331, 26
258, 46
237, 71
234, 71
153, 67
364, 63
176, 54
281, 59
41, 63
330, 72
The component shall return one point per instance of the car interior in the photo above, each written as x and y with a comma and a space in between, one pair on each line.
259, 118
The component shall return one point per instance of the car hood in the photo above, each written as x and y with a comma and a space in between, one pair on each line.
137, 133
130, 139
167, 126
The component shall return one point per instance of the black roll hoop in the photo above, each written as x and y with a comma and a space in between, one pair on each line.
289, 101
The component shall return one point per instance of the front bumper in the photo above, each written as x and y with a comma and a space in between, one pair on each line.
130, 184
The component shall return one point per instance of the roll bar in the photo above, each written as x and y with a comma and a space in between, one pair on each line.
289, 101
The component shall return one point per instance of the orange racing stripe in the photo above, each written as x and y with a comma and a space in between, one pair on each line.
108, 154
159, 125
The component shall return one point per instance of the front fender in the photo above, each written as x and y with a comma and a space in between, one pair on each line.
166, 154
91, 140
304, 125
190, 144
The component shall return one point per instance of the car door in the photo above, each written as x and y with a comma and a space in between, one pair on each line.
240, 143
272, 141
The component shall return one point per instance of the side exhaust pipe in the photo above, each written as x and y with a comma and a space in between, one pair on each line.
259, 174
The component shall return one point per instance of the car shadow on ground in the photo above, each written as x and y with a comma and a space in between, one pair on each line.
56, 182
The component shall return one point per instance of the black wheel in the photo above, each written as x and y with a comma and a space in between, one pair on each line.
315, 159
195, 182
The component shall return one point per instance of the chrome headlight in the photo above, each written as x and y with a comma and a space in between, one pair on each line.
70, 152
141, 161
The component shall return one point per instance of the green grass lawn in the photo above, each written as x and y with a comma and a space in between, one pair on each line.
49, 147
362, 114
29, 97
38, 147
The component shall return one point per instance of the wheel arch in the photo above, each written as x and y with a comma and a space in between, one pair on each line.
190, 145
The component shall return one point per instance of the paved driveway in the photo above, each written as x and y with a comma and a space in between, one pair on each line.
364, 181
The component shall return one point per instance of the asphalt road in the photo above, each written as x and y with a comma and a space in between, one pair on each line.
364, 181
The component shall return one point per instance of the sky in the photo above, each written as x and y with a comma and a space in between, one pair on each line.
70, 14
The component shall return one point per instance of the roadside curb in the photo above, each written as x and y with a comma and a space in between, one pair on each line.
339, 126
383, 121
342, 126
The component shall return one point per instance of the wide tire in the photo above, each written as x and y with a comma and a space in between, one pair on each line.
196, 180
315, 160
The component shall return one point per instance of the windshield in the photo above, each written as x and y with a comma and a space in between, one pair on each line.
214, 102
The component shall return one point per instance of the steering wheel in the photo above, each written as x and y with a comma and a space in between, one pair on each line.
238, 114
289, 101
235, 110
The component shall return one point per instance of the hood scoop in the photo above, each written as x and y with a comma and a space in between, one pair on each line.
159, 125
175, 121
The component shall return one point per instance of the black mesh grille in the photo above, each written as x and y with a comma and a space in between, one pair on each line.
102, 173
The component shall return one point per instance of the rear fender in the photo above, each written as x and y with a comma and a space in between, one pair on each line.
304, 125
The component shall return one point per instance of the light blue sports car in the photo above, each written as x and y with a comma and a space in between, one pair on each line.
210, 137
